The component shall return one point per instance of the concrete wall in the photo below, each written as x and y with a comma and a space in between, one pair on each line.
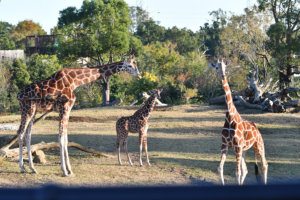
10, 55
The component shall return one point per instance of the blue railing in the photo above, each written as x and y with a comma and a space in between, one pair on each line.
257, 192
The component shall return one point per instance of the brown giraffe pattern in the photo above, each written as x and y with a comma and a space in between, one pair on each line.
238, 134
137, 123
57, 94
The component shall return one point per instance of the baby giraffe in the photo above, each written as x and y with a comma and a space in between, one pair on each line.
238, 134
137, 123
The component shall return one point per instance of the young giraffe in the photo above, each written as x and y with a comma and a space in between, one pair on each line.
56, 94
238, 134
137, 123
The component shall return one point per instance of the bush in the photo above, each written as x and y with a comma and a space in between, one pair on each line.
41, 67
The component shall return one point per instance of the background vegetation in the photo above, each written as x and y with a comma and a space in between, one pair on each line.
265, 35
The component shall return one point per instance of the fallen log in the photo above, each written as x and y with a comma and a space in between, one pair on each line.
10, 153
243, 102
221, 99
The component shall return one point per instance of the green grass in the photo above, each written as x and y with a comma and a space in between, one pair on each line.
184, 148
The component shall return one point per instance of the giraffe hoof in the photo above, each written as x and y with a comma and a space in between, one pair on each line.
33, 171
23, 171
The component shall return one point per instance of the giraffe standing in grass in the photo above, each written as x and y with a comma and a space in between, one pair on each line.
238, 134
56, 94
137, 123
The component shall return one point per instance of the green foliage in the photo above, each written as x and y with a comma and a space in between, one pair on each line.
41, 67
185, 40
5, 42
99, 28
284, 37
190, 93
23, 29
149, 31
19, 78
4, 82
160, 58
210, 33
19, 74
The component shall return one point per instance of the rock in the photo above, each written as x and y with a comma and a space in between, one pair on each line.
39, 157
9, 127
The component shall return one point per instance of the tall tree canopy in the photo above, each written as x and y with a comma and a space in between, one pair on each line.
5, 31
24, 28
98, 30
284, 37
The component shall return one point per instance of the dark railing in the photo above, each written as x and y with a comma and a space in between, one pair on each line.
211, 192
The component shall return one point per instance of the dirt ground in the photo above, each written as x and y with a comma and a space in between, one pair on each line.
183, 142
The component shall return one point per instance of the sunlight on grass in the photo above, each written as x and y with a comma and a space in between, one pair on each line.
183, 142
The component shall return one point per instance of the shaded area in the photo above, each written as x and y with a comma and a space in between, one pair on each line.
84, 119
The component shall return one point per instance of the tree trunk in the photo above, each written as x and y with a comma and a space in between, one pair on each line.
106, 91
10, 153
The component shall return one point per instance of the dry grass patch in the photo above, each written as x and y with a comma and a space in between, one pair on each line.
183, 142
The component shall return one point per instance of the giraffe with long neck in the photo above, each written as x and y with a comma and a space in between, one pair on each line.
57, 94
238, 134
137, 123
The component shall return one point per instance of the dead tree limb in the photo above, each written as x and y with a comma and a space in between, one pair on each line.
10, 153
243, 102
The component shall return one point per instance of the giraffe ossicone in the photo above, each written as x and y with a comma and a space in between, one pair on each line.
56, 94
238, 134
137, 123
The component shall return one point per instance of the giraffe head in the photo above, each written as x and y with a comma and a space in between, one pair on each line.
220, 66
130, 66
155, 93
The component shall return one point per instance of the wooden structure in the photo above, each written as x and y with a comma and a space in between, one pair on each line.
41, 44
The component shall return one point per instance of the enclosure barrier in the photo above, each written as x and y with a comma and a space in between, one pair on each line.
258, 192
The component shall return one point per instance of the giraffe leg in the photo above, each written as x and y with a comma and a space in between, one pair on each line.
141, 147
64, 117
260, 152
146, 149
238, 171
28, 144
25, 120
118, 151
145, 144
223, 158
125, 149
68, 165
244, 168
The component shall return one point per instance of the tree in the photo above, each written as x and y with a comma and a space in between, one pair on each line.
210, 33
41, 67
185, 40
160, 58
284, 37
5, 42
98, 30
19, 78
24, 28
149, 31
4, 82
137, 16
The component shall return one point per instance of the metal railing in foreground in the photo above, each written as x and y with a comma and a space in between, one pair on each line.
210, 192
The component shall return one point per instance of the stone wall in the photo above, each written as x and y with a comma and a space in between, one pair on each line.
10, 55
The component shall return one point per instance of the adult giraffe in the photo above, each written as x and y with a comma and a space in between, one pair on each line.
238, 134
56, 94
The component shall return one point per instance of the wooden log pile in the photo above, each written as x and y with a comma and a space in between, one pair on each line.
264, 96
